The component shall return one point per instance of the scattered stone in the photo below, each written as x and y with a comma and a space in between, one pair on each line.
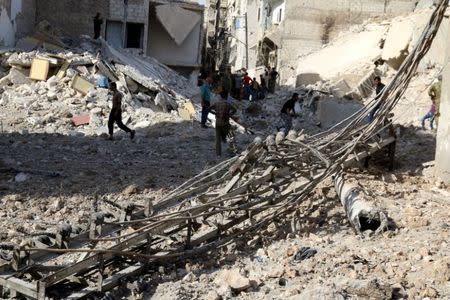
233, 279
130, 190
21, 177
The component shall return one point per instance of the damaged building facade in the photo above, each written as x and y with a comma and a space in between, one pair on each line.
16, 20
277, 32
170, 31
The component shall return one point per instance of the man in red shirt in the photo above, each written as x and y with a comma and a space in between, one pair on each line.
247, 80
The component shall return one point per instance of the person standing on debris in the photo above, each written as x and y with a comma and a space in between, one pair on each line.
237, 86
287, 113
224, 110
379, 87
97, 26
435, 92
273, 76
247, 81
226, 81
254, 90
430, 114
263, 83
206, 95
116, 113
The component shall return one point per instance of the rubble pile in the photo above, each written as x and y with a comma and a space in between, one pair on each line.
71, 89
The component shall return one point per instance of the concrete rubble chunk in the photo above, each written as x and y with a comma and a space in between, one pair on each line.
18, 77
178, 22
397, 43
233, 279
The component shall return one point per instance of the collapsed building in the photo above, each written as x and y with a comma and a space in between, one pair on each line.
277, 32
170, 31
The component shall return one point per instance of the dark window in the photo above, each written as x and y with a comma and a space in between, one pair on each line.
135, 35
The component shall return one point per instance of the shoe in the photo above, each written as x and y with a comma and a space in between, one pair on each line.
132, 134
204, 126
110, 138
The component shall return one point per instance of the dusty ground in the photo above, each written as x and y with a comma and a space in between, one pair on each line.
64, 173
411, 261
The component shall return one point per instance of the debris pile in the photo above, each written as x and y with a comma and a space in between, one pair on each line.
67, 92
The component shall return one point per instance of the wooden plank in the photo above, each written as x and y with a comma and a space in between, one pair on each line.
16, 284
110, 282
62, 71
373, 147
81, 85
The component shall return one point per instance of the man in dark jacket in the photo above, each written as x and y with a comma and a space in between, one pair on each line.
288, 112
224, 110
379, 88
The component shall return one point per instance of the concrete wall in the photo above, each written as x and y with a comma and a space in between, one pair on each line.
332, 111
162, 47
309, 24
442, 164
72, 17
17, 19
137, 10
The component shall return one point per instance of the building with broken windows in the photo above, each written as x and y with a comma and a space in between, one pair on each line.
170, 31
278, 32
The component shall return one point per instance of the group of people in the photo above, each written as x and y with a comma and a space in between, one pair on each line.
434, 93
248, 88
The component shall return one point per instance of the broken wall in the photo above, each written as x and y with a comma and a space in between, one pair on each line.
72, 17
17, 19
136, 11
309, 24
163, 46
331, 111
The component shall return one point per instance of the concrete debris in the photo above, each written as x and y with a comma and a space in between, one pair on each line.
397, 43
233, 279
178, 22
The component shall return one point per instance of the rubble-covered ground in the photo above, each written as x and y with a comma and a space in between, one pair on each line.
54, 172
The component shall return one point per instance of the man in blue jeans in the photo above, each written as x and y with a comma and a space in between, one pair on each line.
206, 94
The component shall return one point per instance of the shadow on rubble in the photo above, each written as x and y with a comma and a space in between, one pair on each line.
160, 156
415, 151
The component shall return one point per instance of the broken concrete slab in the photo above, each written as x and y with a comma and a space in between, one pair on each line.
341, 88
304, 79
332, 111
28, 44
39, 69
62, 71
424, 4
81, 85
18, 77
365, 86
178, 21
397, 41
187, 111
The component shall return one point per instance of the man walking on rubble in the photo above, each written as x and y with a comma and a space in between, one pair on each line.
247, 82
273, 76
97, 26
206, 95
288, 112
116, 113
379, 87
224, 110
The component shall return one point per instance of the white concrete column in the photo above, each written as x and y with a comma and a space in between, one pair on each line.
443, 134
